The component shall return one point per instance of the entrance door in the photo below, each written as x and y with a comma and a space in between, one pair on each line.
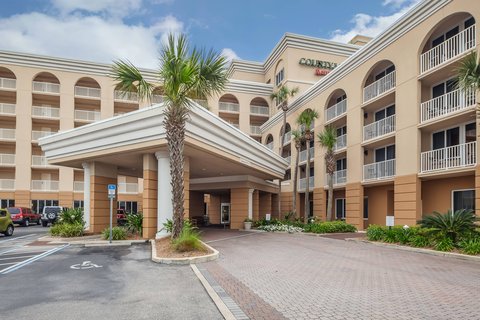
225, 213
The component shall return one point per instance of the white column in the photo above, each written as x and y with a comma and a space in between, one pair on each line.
86, 194
250, 203
164, 196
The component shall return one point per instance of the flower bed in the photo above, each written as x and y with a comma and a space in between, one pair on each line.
297, 226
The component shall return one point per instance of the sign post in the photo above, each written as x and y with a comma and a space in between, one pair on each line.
111, 195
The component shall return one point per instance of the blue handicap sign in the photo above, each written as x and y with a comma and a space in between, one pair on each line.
112, 186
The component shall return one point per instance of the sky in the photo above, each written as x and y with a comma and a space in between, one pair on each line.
105, 30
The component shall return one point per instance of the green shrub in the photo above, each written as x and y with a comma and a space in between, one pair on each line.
134, 223
419, 241
168, 226
118, 233
375, 232
72, 216
329, 227
189, 239
67, 230
444, 244
470, 246
451, 224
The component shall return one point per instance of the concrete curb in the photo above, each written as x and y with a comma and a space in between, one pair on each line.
419, 250
186, 260
90, 242
221, 306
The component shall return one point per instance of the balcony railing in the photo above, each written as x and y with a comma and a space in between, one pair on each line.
340, 143
39, 161
7, 134
228, 106
46, 112
7, 184
125, 188
40, 134
46, 87
340, 177
7, 108
287, 138
379, 170
86, 115
303, 155
288, 159
78, 186
259, 110
7, 83
379, 128
448, 50
44, 185
302, 183
87, 92
157, 98
336, 110
255, 130
7, 159
269, 145
125, 96
379, 87
447, 104
459, 156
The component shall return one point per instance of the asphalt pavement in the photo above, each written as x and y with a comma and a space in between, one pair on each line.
103, 283
20, 231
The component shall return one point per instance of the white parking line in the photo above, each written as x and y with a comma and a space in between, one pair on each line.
20, 257
12, 239
33, 259
4, 264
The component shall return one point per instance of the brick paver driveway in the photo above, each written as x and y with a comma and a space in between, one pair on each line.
277, 276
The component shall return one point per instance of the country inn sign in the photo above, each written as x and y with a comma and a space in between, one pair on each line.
322, 67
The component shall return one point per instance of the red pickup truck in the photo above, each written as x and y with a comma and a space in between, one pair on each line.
24, 216
121, 217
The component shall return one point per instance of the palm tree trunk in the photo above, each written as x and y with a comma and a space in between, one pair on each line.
307, 186
280, 153
295, 186
330, 197
175, 133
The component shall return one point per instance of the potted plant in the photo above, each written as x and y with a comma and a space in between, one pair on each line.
247, 223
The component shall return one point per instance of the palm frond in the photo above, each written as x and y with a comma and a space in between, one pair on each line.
327, 138
129, 79
468, 73
306, 118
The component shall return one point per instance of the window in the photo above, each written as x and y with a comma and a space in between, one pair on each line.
365, 208
384, 113
443, 88
279, 77
442, 38
340, 208
288, 175
341, 164
341, 131
5, 203
386, 153
463, 199
469, 22
454, 136
341, 98
78, 204
37, 205
384, 72
128, 206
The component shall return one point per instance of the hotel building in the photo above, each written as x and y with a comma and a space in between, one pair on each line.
406, 136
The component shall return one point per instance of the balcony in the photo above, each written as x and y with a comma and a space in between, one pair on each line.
87, 92
39, 161
229, 106
303, 155
269, 145
44, 185
287, 138
340, 143
157, 98
125, 96
78, 186
46, 112
87, 116
7, 83
336, 110
7, 134
127, 188
46, 87
259, 110
302, 183
288, 159
454, 157
255, 130
448, 50
379, 170
379, 87
379, 128
7, 109
447, 104
40, 134
7, 184
7, 159
340, 177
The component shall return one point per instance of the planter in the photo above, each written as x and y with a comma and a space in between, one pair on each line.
247, 225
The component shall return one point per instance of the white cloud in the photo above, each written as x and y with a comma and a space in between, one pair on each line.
371, 26
229, 54
87, 37
114, 8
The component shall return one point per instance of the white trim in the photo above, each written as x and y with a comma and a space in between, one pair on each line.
458, 190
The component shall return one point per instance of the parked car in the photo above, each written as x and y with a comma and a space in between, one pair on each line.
24, 216
6, 223
121, 217
51, 214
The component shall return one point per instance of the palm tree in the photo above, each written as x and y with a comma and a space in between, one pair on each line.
281, 97
305, 120
185, 73
327, 139
468, 75
297, 139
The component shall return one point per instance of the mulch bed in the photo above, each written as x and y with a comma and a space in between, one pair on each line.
165, 250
